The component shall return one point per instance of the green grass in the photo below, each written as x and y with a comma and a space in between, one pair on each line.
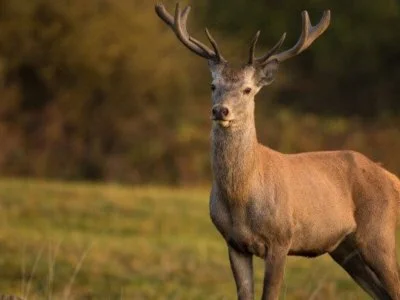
94, 241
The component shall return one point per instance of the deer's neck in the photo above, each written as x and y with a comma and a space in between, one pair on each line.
234, 156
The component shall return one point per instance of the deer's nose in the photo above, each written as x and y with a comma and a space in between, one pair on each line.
220, 112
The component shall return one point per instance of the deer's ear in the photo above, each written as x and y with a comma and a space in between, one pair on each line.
266, 72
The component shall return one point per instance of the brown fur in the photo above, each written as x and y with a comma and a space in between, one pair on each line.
271, 205
307, 204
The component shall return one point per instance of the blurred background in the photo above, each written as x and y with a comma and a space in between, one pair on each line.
102, 91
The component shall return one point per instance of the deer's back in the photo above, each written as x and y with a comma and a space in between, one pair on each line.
341, 175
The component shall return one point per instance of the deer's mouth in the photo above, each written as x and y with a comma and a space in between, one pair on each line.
222, 122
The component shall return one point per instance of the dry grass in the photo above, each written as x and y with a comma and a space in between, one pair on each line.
92, 241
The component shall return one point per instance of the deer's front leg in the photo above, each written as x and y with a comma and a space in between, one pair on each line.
274, 271
242, 269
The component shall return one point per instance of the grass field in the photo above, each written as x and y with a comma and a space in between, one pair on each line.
93, 241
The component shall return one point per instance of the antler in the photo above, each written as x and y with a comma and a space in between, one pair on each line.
269, 53
308, 35
178, 25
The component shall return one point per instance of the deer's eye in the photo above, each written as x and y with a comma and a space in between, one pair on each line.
213, 87
247, 91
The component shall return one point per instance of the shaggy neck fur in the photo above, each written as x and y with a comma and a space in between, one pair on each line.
234, 155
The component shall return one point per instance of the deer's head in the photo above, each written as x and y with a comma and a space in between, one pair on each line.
233, 89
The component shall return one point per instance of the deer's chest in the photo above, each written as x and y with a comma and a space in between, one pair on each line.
249, 227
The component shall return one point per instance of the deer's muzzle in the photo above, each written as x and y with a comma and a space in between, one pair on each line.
221, 114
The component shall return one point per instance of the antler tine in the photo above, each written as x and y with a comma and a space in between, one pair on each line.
214, 45
164, 14
184, 16
178, 25
308, 35
253, 47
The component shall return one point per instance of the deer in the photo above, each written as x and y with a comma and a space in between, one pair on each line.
273, 205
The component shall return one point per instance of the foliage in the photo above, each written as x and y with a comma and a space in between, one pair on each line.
101, 89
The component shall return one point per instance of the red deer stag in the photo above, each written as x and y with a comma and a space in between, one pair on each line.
270, 204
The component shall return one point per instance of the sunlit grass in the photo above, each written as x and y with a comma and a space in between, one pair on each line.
94, 241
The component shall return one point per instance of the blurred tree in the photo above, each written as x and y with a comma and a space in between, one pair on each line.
101, 89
